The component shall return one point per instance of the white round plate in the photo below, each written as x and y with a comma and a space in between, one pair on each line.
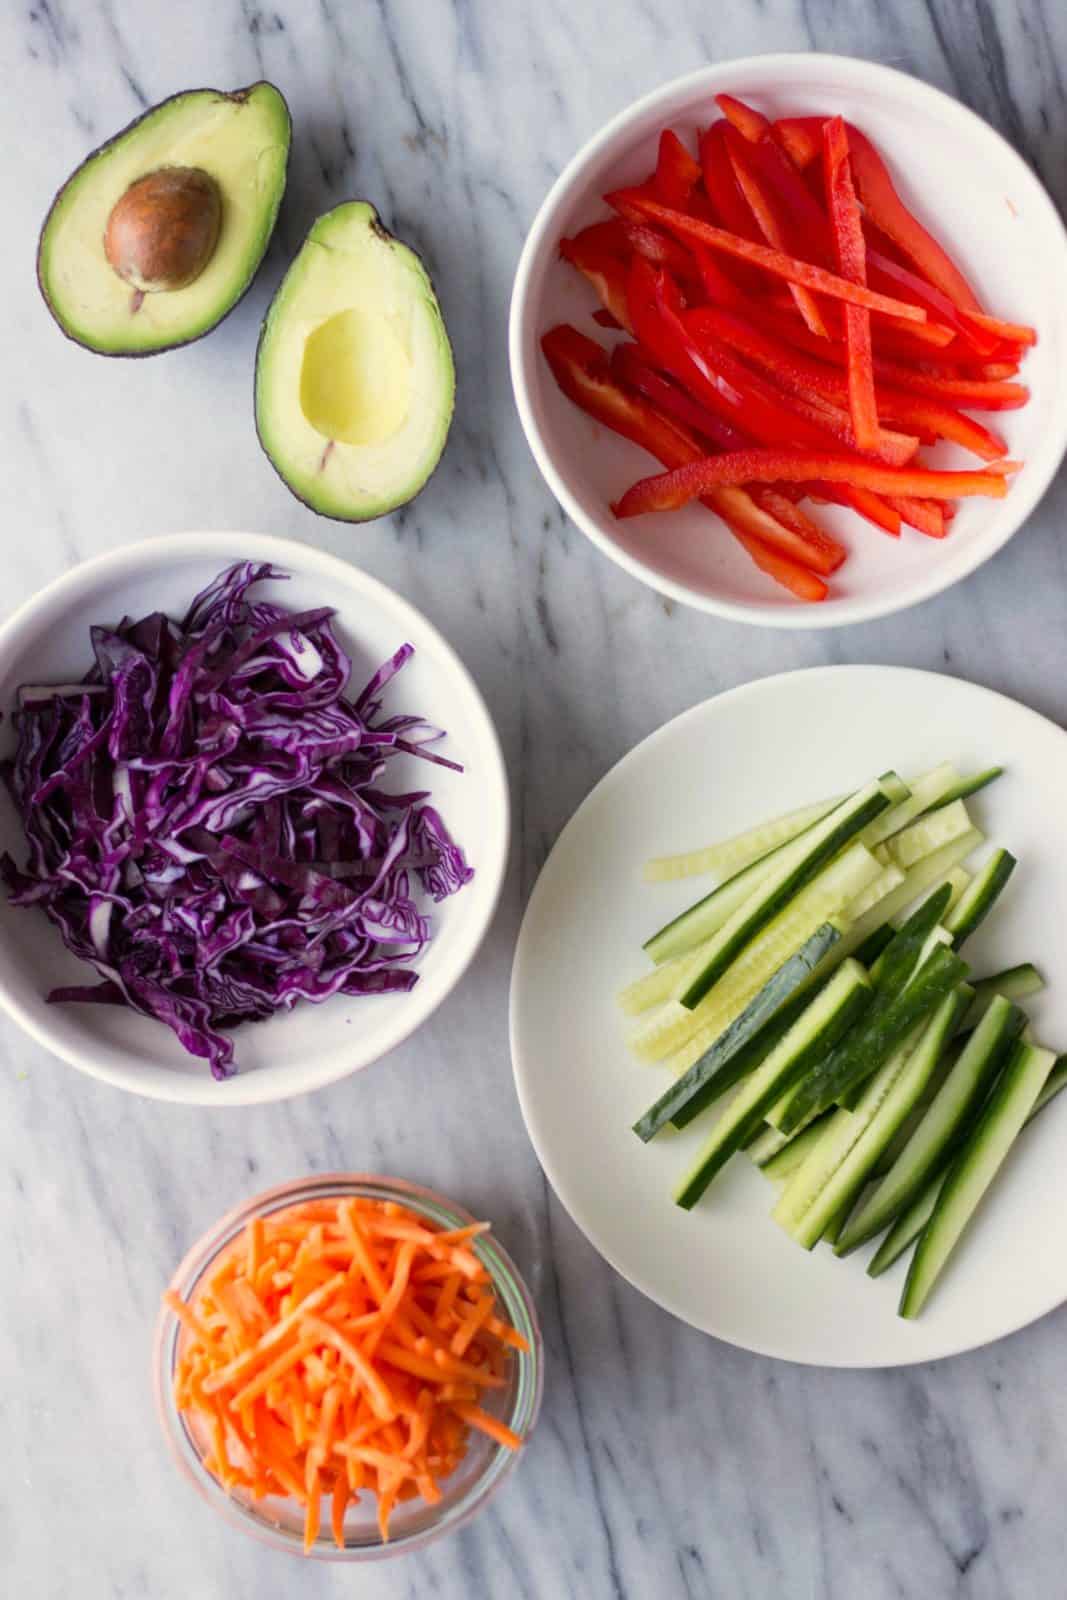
47, 640
958, 174
726, 1267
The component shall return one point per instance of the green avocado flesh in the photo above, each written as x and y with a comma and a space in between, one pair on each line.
354, 377
242, 141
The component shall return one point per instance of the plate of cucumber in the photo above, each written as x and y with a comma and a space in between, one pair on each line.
786, 1016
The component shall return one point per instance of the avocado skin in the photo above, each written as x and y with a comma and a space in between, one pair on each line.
237, 96
378, 226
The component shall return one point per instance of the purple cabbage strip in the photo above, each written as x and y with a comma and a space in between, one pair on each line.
204, 821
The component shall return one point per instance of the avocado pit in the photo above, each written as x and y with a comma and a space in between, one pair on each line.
163, 230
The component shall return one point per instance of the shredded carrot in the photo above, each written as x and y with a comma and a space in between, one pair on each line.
339, 1346
486, 1424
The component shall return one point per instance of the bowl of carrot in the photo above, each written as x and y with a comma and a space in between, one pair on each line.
347, 1366
788, 340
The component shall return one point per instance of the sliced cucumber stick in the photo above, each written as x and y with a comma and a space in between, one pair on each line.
780, 1164
968, 786
696, 925
866, 1049
929, 1149
685, 1035
1014, 983
977, 1164
841, 1163
911, 1222
913, 844
823, 1022
985, 889
729, 856
715, 1071
796, 866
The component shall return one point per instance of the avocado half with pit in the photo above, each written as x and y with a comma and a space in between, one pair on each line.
158, 234
354, 376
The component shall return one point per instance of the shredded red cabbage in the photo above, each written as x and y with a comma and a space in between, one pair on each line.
205, 825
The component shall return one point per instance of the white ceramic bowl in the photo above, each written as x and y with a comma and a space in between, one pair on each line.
959, 175
47, 640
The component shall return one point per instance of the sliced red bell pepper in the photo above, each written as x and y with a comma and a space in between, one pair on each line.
730, 390
800, 138
657, 247
720, 184
676, 171
582, 370
743, 519
770, 224
716, 281
1012, 333
918, 411
925, 515
604, 319
670, 490
772, 261
606, 272
630, 367
808, 221
891, 278
580, 367
750, 123
976, 394
801, 375
711, 327
609, 235
851, 255
888, 212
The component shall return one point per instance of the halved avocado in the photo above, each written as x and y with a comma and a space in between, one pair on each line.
354, 377
159, 232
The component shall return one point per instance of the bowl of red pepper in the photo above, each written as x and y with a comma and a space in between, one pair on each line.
788, 340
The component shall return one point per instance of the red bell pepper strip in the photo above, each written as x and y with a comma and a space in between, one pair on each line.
1009, 332
874, 507
888, 212
716, 281
606, 272
730, 390
720, 184
749, 526
891, 278
925, 515
670, 490
581, 369
710, 328
808, 221
800, 375
657, 247
676, 171
852, 264
629, 366
800, 138
977, 394
609, 235
633, 371
750, 123
770, 224
772, 261
604, 319
745, 398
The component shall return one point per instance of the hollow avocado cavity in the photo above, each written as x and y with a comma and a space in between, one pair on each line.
355, 378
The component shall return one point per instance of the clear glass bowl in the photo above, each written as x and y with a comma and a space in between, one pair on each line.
280, 1522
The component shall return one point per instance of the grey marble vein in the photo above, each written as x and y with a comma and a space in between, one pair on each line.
667, 1466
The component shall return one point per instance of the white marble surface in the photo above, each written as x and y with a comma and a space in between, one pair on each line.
665, 1465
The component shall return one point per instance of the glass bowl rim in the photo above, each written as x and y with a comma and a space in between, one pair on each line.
508, 1283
